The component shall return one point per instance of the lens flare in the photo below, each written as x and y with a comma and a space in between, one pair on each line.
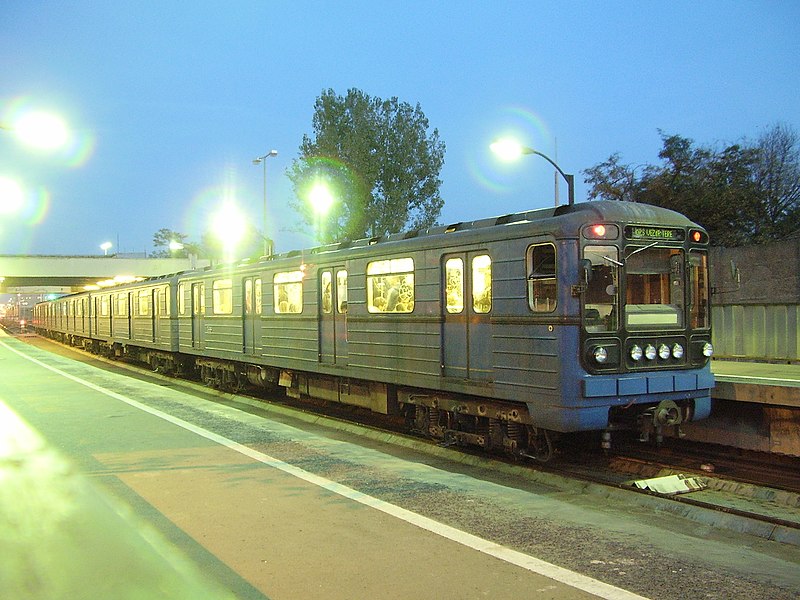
510, 122
41, 130
12, 196
47, 131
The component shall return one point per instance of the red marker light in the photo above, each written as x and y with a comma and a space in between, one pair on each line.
599, 230
696, 236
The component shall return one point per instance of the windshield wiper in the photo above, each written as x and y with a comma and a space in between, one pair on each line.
640, 250
613, 261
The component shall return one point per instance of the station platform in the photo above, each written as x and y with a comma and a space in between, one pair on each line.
267, 506
755, 406
762, 383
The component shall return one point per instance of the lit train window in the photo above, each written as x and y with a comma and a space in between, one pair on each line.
248, 296
326, 285
222, 297
482, 284
257, 296
454, 278
341, 291
144, 303
390, 286
122, 305
104, 306
288, 289
182, 298
542, 281
698, 289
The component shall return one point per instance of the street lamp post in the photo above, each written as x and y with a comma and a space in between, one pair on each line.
258, 161
509, 150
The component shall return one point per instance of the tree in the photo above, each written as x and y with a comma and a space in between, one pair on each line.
378, 159
743, 193
164, 238
612, 181
778, 182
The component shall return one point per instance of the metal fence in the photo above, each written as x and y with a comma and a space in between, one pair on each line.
766, 332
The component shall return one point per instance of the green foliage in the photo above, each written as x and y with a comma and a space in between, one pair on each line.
743, 193
379, 161
164, 237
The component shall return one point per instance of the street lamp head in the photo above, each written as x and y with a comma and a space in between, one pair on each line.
260, 159
508, 149
41, 130
321, 198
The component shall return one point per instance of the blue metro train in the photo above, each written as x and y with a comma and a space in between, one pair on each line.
499, 332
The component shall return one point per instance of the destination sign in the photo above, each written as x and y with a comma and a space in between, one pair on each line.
642, 232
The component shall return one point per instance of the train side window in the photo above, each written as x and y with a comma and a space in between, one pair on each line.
144, 303
542, 282
454, 285
390, 286
104, 305
181, 298
326, 284
257, 296
482, 284
698, 289
122, 305
341, 291
165, 298
199, 299
248, 296
222, 297
288, 289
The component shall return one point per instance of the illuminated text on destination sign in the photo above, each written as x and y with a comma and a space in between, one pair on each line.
638, 232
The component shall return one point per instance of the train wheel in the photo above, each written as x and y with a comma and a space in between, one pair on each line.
540, 446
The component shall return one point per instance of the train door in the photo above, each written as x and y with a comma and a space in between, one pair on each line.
466, 311
155, 313
333, 316
124, 310
198, 313
251, 313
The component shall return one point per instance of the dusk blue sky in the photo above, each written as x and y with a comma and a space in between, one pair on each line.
170, 101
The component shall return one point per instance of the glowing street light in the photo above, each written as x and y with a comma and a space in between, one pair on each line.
258, 161
105, 247
321, 201
229, 225
508, 149
40, 129
12, 197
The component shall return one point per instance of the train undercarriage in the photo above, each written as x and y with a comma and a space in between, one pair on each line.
453, 420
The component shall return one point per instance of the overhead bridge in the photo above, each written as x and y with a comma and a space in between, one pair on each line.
66, 274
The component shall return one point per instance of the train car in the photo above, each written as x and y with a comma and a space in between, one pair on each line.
497, 332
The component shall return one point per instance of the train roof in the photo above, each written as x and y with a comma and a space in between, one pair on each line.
568, 216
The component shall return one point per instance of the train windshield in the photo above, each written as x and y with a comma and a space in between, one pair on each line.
654, 287
602, 294
648, 278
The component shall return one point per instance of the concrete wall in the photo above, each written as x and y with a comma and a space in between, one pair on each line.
757, 316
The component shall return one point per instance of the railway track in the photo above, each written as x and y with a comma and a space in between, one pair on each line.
753, 486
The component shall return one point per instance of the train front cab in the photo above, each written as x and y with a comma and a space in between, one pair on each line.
645, 337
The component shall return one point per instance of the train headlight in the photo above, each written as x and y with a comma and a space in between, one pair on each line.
650, 352
636, 352
664, 351
708, 350
600, 354
677, 351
